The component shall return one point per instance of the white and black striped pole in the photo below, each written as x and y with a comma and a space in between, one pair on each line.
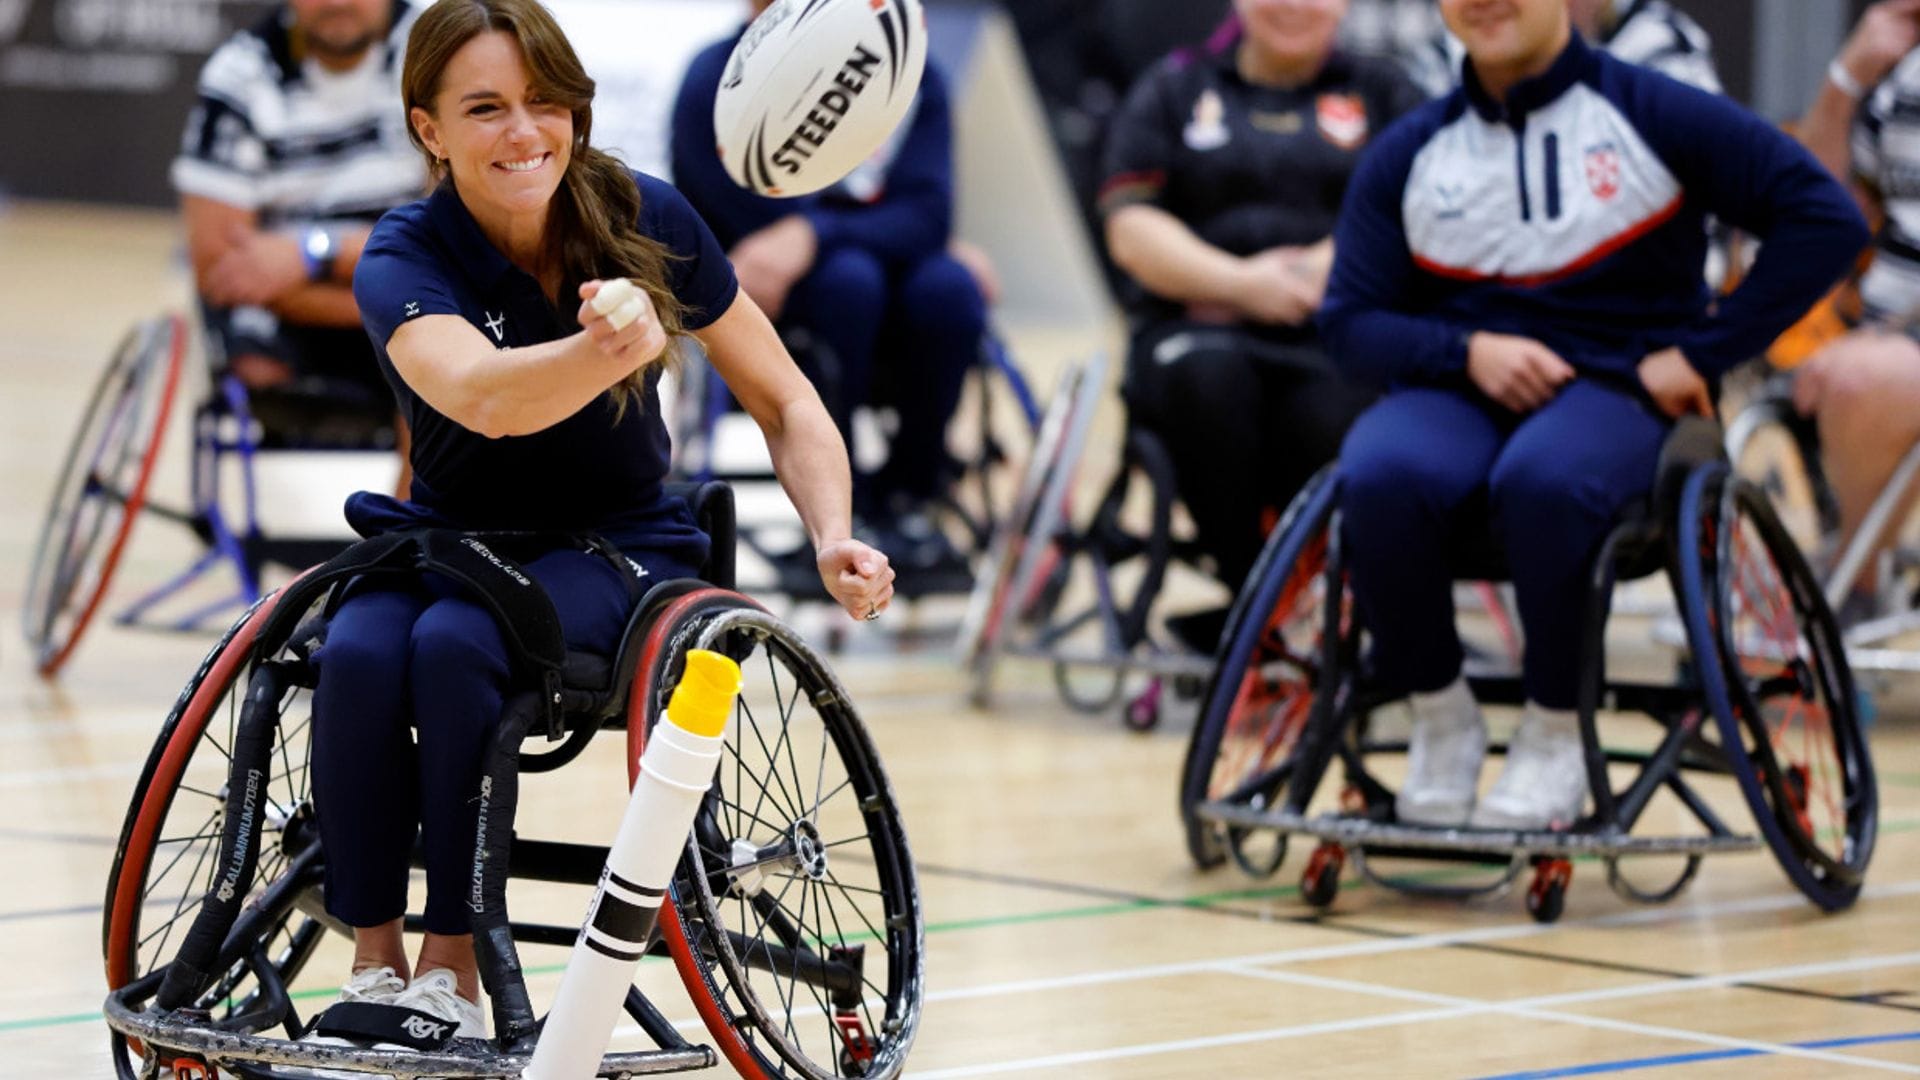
675, 772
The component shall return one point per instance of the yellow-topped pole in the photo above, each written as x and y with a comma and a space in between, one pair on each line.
704, 699
676, 772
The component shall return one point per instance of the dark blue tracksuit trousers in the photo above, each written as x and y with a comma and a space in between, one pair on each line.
927, 318
429, 657
1423, 465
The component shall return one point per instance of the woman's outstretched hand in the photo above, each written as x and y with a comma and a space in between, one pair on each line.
858, 576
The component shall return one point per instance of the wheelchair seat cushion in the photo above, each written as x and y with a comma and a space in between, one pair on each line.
587, 672
318, 413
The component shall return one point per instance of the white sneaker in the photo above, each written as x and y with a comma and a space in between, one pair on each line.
1544, 785
1443, 763
435, 993
374, 986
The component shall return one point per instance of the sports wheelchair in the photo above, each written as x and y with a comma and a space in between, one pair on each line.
1080, 597
1765, 699
104, 483
995, 421
793, 919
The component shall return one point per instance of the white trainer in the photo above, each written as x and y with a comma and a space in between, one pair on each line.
1449, 741
435, 993
374, 986
1544, 785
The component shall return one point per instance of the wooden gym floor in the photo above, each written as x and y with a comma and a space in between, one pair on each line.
1067, 934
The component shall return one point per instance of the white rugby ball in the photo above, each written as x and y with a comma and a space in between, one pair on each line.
815, 88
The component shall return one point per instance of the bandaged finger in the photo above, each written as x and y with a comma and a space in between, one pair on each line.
619, 302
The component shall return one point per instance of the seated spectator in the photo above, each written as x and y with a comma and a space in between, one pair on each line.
1225, 170
293, 150
867, 273
1865, 388
1521, 261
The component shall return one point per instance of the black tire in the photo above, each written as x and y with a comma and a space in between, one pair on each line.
103, 483
1267, 683
732, 927
1781, 691
166, 858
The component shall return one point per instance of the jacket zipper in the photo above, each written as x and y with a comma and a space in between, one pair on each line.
1520, 166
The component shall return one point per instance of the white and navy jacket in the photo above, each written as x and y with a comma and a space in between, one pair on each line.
1574, 214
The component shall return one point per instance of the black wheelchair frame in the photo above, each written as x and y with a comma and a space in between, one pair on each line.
1291, 693
756, 968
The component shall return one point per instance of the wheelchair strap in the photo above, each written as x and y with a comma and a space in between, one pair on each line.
520, 607
398, 1025
526, 615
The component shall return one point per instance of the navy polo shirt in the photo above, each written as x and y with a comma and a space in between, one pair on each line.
590, 472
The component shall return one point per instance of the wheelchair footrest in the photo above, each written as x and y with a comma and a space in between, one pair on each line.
1364, 832
269, 1058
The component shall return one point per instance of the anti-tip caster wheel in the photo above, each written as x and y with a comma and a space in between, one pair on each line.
1320, 882
1547, 896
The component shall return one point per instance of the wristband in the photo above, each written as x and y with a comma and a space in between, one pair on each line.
316, 249
1843, 80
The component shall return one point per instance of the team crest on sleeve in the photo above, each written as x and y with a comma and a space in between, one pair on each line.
1208, 128
1603, 170
1342, 119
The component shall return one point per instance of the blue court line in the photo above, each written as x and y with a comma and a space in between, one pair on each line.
1628, 1064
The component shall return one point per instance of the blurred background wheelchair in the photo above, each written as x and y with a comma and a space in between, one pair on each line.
990, 434
1076, 589
239, 435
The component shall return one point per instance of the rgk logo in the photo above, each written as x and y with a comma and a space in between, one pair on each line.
423, 1029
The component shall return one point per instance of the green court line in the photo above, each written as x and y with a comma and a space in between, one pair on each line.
1094, 911
1901, 779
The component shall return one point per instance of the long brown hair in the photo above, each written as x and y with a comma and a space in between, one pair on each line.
592, 230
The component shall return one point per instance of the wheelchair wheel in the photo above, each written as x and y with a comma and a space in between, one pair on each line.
102, 486
166, 860
1782, 692
1266, 686
795, 920
1013, 587
1777, 449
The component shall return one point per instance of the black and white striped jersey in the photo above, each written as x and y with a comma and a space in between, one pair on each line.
1886, 158
281, 135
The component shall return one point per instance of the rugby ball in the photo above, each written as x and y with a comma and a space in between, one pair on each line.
816, 87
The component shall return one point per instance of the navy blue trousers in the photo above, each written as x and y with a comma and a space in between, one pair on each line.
413, 679
1425, 466
903, 336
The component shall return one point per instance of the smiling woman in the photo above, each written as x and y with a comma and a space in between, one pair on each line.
502, 106
535, 409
